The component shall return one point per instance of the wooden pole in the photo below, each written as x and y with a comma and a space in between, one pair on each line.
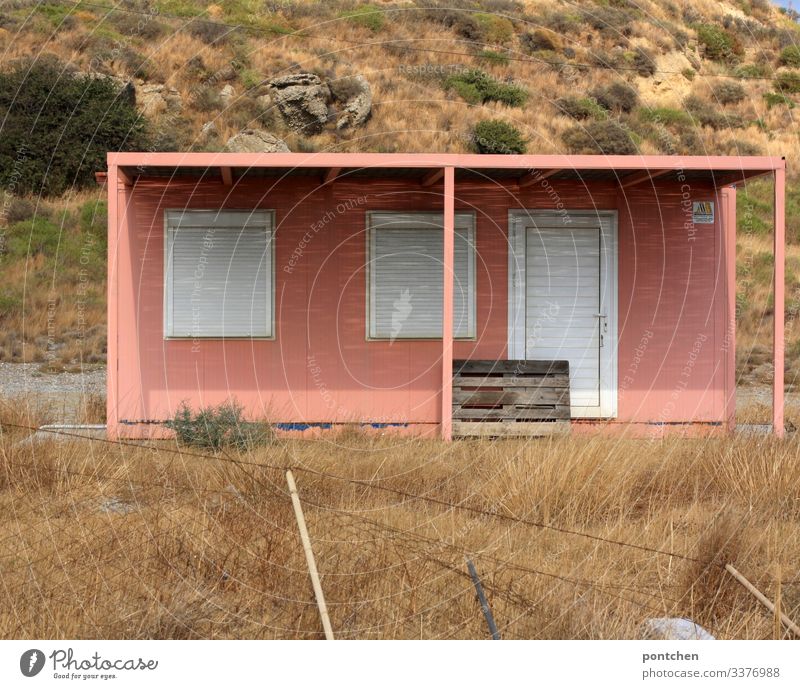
312, 564
766, 602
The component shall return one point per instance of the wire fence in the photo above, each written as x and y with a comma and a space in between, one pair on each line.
437, 551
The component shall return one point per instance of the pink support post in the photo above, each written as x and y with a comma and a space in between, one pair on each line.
448, 260
112, 183
778, 324
729, 242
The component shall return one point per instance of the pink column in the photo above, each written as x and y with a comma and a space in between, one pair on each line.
112, 418
778, 325
448, 260
729, 242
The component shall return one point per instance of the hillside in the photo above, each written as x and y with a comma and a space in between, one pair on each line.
617, 76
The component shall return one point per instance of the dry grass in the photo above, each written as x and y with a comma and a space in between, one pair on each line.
99, 540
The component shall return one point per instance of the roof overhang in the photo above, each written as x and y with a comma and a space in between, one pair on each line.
526, 170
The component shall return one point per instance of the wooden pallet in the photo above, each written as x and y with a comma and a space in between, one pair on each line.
510, 398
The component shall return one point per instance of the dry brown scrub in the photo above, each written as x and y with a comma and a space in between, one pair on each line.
101, 540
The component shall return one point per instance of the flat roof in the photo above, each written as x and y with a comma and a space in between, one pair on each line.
717, 170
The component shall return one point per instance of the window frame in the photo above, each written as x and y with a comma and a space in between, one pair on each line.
269, 215
465, 221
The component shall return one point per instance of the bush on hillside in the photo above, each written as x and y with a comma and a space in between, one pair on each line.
616, 97
367, 16
609, 137
216, 428
475, 87
718, 44
57, 127
496, 136
787, 82
581, 108
729, 92
790, 56
773, 99
665, 116
612, 22
709, 115
643, 62
211, 33
540, 39
494, 28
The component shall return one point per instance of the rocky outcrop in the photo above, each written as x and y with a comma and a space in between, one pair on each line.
256, 141
358, 104
155, 99
302, 100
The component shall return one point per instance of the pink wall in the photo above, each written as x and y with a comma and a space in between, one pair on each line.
319, 367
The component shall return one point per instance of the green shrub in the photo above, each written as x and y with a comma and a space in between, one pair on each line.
618, 97
609, 137
30, 237
368, 16
211, 33
540, 39
496, 136
219, 427
729, 92
59, 125
475, 87
787, 82
752, 71
790, 56
581, 108
718, 44
494, 29
666, 116
612, 22
642, 61
493, 57
709, 115
774, 99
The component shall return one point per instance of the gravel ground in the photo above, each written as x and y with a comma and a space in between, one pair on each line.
66, 389
21, 379
61, 392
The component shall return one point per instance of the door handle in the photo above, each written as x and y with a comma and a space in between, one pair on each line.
603, 327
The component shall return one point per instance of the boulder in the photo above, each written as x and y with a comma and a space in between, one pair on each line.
358, 106
255, 141
302, 100
674, 629
154, 99
227, 94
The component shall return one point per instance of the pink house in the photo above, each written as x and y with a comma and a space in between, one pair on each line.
336, 288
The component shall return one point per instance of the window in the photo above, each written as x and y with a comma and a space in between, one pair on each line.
405, 276
218, 273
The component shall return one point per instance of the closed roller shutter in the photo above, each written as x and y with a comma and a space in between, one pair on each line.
406, 275
219, 274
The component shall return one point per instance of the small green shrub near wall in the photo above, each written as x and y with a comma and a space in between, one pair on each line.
496, 136
216, 428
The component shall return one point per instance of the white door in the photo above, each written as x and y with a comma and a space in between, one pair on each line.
563, 292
